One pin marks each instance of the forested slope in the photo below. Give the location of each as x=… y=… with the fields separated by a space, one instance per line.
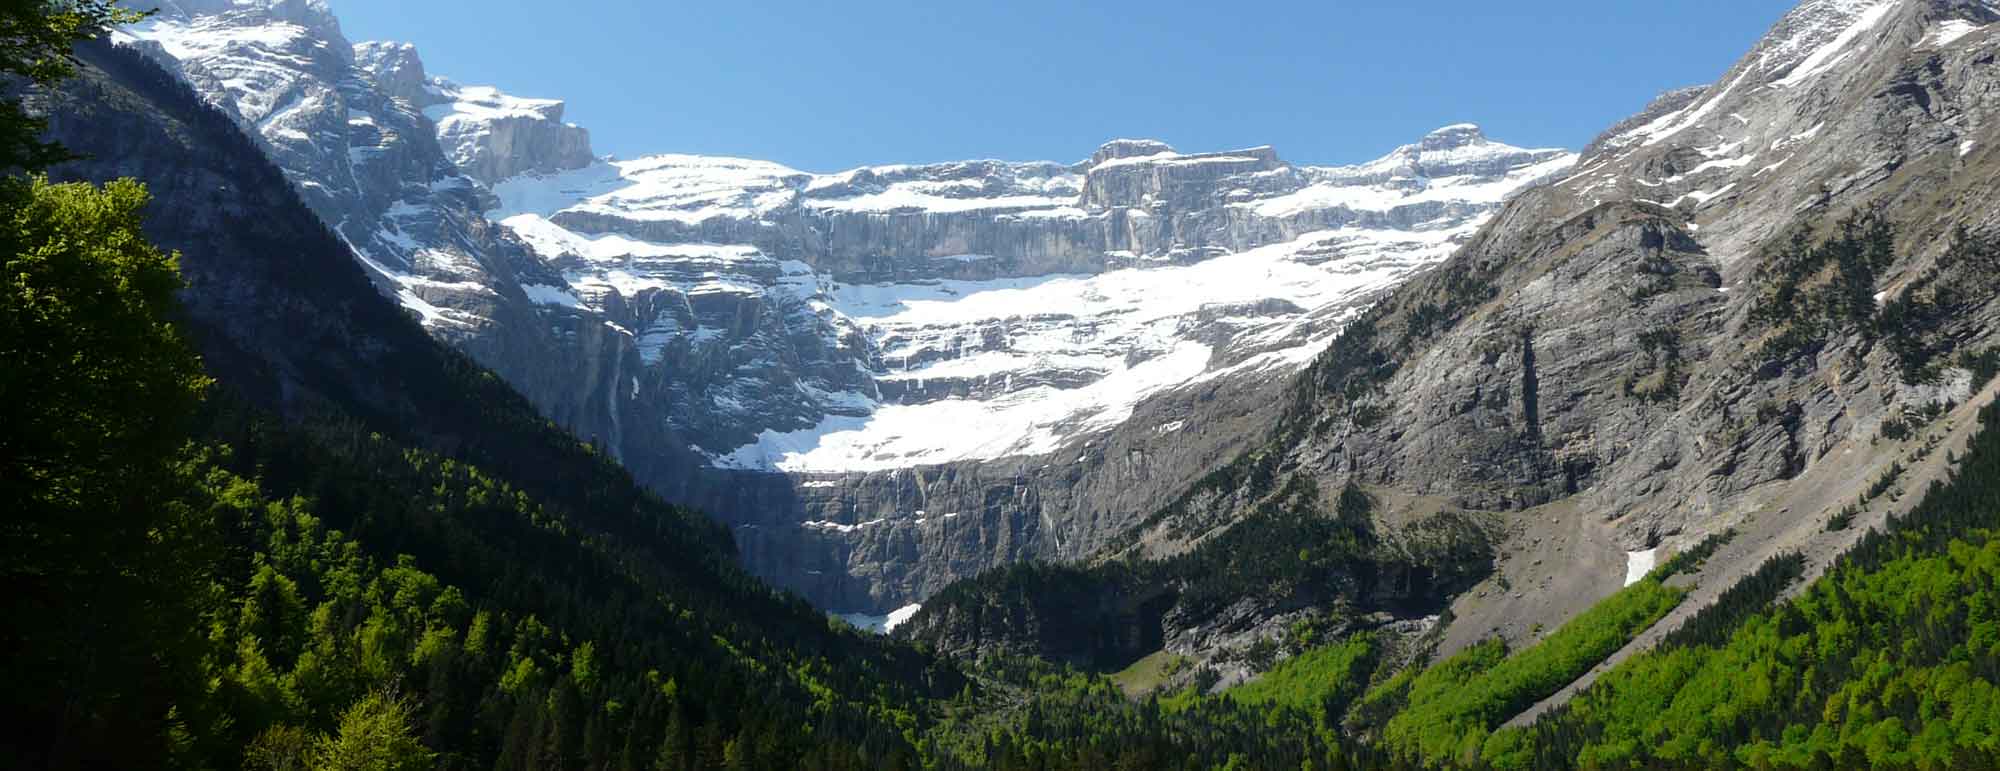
x=374 y=534
x=260 y=519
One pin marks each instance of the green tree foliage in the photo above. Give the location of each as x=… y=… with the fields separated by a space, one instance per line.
x=99 y=380
x=1452 y=707
x=517 y=638
x=195 y=584
x=1295 y=549
x=211 y=585
x=101 y=560
x=374 y=735
x=1691 y=559
x=1889 y=660
x=1719 y=619
x=1328 y=678
x=1034 y=715
x=282 y=748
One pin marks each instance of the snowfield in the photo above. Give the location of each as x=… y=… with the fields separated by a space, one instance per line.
x=1095 y=323
x=984 y=369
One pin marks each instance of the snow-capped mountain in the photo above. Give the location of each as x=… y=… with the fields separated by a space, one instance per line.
x=1767 y=124
x=907 y=315
x=981 y=322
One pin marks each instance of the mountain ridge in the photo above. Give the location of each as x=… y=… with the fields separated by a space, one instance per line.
x=1647 y=353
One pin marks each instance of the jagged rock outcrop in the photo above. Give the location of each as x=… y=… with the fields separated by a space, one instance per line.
x=398 y=72
x=487 y=135
x=491 y=136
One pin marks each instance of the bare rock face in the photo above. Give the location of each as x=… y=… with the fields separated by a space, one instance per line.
x=1129 y=148
x=1609 y=358
x=886 y=539
x=491 y=136
x=398 y=72
x=1167 y=178
x=348 y=126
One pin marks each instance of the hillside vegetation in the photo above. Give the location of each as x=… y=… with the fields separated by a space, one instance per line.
x=257 y=518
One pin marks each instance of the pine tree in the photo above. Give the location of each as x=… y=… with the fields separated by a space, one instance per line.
x=676 y=747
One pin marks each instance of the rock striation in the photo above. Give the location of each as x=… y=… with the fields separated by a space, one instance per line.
x=1613 y=366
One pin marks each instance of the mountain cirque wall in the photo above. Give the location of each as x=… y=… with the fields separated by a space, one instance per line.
x=966 y=407
x=1044 y=350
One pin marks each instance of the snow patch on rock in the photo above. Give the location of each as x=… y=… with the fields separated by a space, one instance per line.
x=882 y=624
x=1945 y=33
x=542 y=294
x=1834 y=51
x=1639 y=563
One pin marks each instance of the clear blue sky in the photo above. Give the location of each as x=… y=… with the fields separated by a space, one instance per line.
x=825 y=86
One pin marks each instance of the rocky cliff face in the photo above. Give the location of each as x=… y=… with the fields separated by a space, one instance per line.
x=357 y=130
x=488 y=135
x=1651 y=350
x=886 y=378
x=963 y=365
x=802 y=306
